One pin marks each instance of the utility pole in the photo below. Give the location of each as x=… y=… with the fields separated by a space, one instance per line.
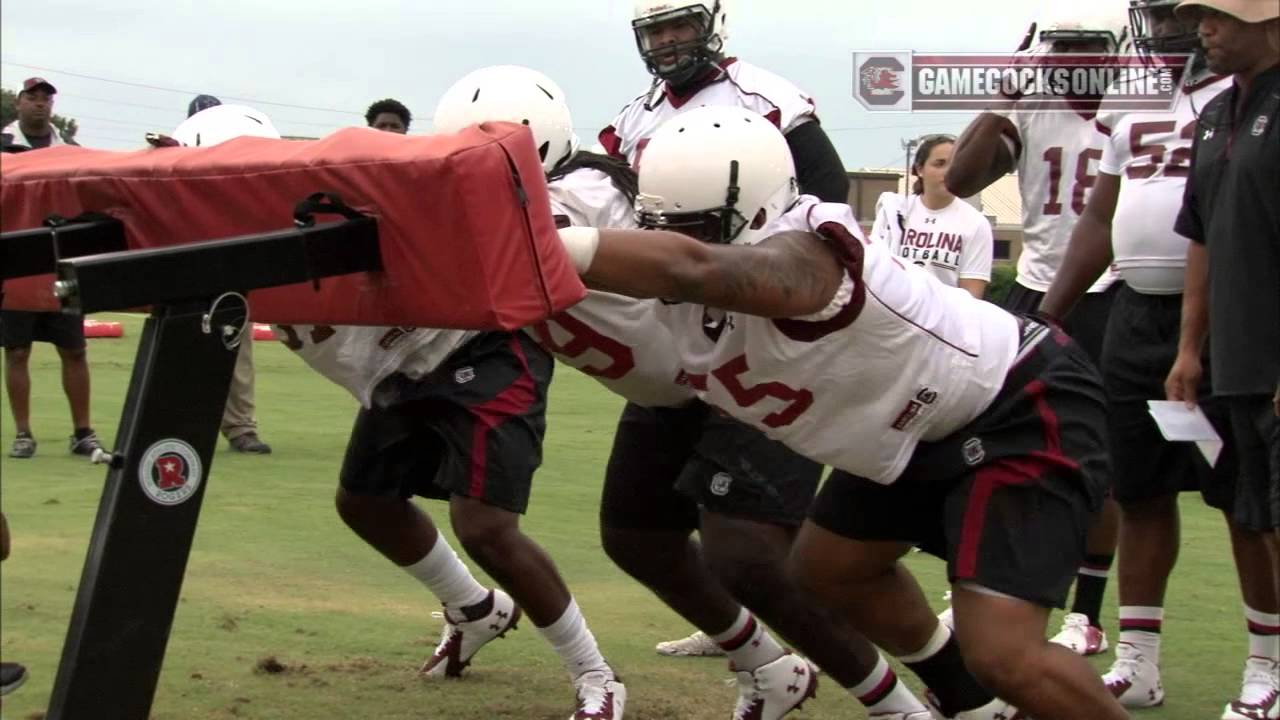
x=909 y=146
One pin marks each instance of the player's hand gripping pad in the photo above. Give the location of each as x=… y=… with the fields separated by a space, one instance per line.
x=465 y=228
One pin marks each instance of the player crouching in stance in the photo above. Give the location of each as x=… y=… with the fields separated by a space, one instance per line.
x=458 y=416
x=951 y=423
x=676 y=464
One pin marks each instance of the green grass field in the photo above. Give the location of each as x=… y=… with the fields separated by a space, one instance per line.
x=274 y=574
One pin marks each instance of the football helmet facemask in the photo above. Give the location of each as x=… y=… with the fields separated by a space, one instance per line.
x=680 y=62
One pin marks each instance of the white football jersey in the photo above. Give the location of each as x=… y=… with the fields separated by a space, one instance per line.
x=896 y=358
x=615 y=339
x=739 y=84
x=360 y=357
x=1151 y=152
x=1057 y=167
x=952 y=243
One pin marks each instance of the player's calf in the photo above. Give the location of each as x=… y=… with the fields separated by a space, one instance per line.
x=1043 y=680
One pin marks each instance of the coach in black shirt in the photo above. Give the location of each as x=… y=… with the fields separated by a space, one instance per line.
x=1231 y=213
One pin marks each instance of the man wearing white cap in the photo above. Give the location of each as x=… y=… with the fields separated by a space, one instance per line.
x=1233 y=286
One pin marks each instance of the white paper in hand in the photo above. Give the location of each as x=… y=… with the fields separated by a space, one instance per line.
x=1178 y=423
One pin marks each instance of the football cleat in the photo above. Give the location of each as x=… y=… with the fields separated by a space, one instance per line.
x=1133 y=679
x=601 y=696
x=460 y=641
x=1078 y=636
x=24 y=446
x=775 y=689
x=1259 y=693
x=997 y=709
x=12 y=675
x=698 y=644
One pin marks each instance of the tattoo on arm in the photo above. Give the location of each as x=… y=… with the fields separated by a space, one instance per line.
x=789 y=275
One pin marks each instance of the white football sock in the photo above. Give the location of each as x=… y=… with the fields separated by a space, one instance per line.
x=748 y=644
x=882 y=693
x=574 y=643
x=447 y=578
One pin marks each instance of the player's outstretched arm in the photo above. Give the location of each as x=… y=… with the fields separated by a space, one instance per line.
x=791 y=274
x=1089 y=253
x=981 y=154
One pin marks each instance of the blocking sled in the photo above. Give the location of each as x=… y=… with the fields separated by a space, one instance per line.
x=465 y=228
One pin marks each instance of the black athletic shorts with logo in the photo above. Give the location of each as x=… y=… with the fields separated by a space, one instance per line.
x=1008 y=499
x=472 y=427
x=1087 y=323
x=668 y=462
x=1140 y=347
x=20 y=328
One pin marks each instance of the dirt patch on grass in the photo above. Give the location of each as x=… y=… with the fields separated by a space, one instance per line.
x=271 y=665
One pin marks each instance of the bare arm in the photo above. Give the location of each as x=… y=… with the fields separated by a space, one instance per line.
x=791 y=274
x=1089 y=253
x=975 y=286
x=1184 y=377
x=980 y=156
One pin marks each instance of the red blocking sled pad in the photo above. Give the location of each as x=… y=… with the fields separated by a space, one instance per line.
x=462 y=246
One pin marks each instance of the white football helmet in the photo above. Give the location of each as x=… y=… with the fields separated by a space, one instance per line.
x=221 y=123
x=680 y=62
x=719 y=174
x=1063 y=35
x=510 y=93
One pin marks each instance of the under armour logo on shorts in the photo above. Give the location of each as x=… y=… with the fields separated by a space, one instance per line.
x=720 y=483
x=464 y=375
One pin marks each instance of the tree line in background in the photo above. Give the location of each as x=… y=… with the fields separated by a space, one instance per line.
x=67 y=127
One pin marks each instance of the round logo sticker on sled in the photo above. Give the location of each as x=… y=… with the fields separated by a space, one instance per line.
x=170 y=472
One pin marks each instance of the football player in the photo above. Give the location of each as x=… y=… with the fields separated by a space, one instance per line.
x=453 y=415
x=682 y=45
x=1129 y=220
x=951 y=423
x=1055 y=154
x=620 y=342
x=683 y=48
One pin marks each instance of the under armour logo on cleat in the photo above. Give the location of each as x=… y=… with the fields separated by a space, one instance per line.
x=503 y=615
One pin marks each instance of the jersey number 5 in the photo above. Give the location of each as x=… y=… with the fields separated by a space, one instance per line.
x=1084 y=178
x=730 y=376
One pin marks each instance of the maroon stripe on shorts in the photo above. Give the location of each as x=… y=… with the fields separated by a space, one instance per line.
x=986 y=480
x=1018 y=470
x=514 y=400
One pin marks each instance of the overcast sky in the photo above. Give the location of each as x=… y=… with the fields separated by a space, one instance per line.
x=124 y=67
